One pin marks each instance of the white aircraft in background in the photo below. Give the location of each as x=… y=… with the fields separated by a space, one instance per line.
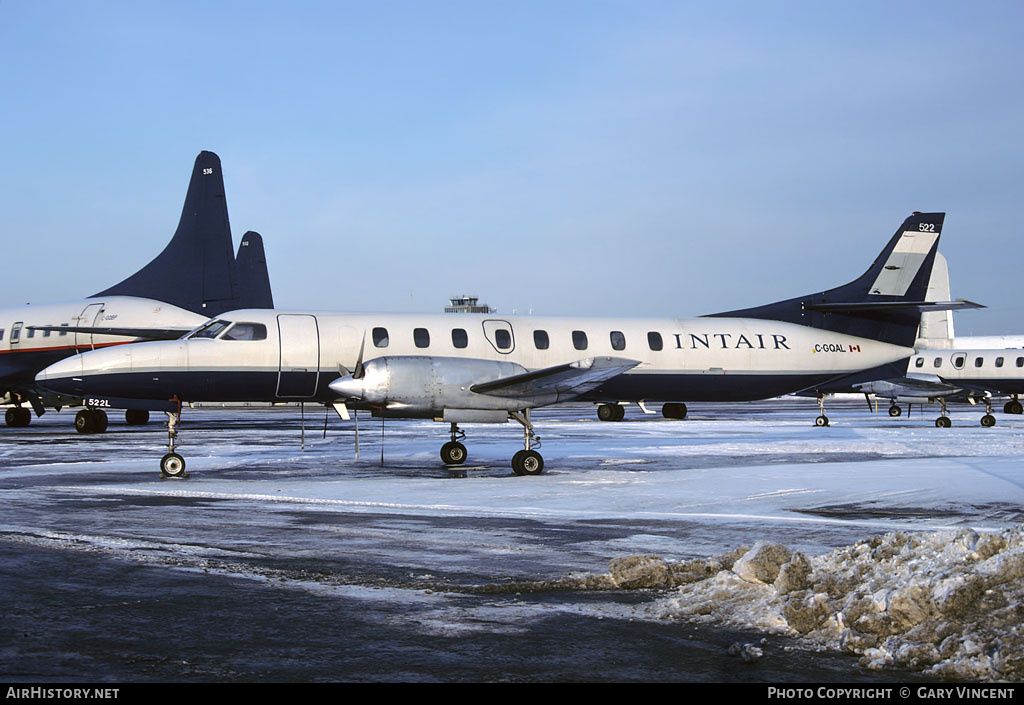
x=947 y=368
x=495 y=369
x=196 y=276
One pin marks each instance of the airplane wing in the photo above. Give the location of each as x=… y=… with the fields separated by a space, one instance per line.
x=568 y=381
x=147 y=333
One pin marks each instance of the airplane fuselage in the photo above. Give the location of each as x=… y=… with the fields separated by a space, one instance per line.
x=298 y=354
x=25 y=351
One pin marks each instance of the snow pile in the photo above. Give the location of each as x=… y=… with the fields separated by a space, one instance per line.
x=949 y=603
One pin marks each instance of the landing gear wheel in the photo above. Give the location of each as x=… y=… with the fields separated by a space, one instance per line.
x=674 y=410
x=611 y=412
x=84 y=421
x=894 y=410
x=821 y=421
x=99 y=420
x=172 y=465
x=988 y=420
x=527 y=462
x=453 y=453
x=136 y=417
x=943 y=422
x=18 y=417
x=1013 y=407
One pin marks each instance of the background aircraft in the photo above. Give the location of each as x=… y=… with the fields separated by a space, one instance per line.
x=493 y=369
x=196 y=276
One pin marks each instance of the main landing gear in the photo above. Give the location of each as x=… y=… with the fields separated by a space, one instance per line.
x=91 y=421
x=18 y=416
x=1013 y=407
x=172 y=465
x=453 y=452
x=611 y=412
x=943 y=421
x=527 y=461
x=673 y=410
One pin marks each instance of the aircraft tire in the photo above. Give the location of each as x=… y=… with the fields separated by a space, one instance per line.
x=674 y=410
x=527 y=462
x=453 y=453
x=611 y=412
x=172 y=465
x=18 y=417
x=85 y=422
x=1013 y=407
x=988 y=420
x=943 y=422
x=136 y=417
x=895 y=410
x=821 y=421
x=99 y=421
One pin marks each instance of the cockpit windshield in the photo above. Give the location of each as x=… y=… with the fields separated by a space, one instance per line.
x=210 y=330
x=246 y=331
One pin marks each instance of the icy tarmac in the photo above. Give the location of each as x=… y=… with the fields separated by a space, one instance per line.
x=881 y=549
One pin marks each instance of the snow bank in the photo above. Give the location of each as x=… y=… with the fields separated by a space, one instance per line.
x=948 y=603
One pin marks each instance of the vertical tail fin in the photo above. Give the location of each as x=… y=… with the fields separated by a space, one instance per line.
x=196 y=270
x=885 y=303
x=253 y=277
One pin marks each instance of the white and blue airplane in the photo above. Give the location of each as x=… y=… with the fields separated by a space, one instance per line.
x=950 y=368
x=196 y=276
x=490 y=368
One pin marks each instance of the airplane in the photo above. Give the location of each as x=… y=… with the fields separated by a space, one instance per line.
x=197 y=275
x=493 y=369
x=939 y=372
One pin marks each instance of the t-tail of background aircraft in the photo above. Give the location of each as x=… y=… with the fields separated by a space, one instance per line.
x=196 y=276
x=492 y=369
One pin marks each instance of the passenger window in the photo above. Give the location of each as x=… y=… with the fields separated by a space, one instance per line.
x=460 y=338
x=618 y=340
x=579 y=340
x=654 y=341
x=999 y=362
x=64 y=332
x=919 y=362
x=46 y=333
x=540 y=339
x=380 y=337
x=502 y=339
x=31 y=332
x=1020 y=360
x=938 y=362
x=421 y=337
x=1 y=333
x=246 y=331
x=979 y=361
x=958 y=361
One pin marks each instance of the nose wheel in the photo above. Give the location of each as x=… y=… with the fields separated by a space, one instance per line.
x=172 y=465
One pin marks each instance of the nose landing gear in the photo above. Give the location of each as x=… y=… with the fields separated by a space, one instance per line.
x=172 y=465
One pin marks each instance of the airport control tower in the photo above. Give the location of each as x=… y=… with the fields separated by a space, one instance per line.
x=467 y=304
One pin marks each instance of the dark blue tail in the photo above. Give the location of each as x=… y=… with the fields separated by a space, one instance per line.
x=885 y=303
x=197 y=270
x=253 y=277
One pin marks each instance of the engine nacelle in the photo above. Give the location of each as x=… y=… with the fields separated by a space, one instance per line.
x=426 y=386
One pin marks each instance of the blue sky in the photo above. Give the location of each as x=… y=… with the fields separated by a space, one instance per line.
x=591 y=158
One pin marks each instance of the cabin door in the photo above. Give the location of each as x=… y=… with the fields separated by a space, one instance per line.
x=300 y=355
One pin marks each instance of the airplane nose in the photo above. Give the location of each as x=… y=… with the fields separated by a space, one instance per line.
x=347 y=387
x=61 y=375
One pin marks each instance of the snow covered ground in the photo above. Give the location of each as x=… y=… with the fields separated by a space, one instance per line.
x=888 y=538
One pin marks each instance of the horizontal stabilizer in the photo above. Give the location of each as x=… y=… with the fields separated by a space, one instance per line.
x=146 y=333
x=920 y=306
x=573 y=379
